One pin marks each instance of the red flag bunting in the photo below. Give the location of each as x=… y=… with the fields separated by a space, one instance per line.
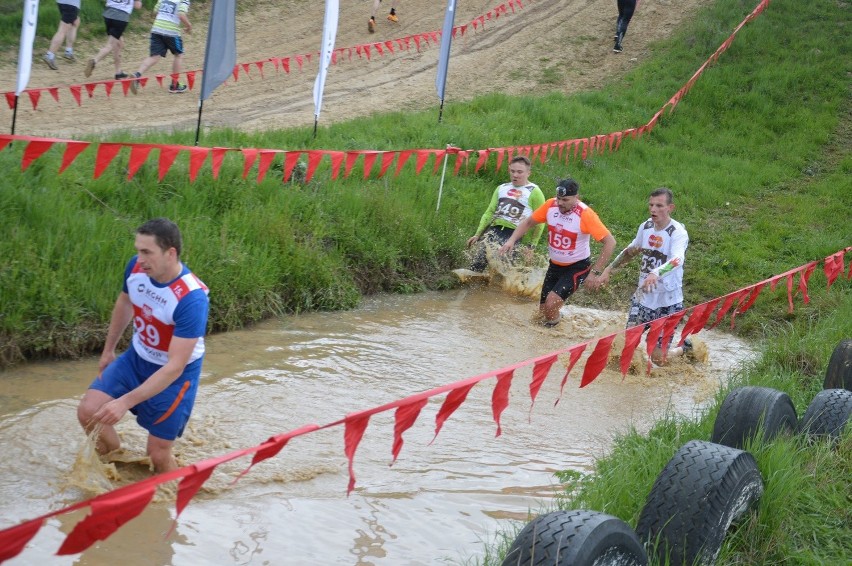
x=274 y=445
x=266 y=159
x=14 y=539
x=597 y=361
x=168 y=154
x=401 y=159
x=314 y=158
x=575 y=354
x=454 y=399
x=354 y=431
x=72 y=150
x=404 y=418
x=369 y=159
x=290 y=160
x=138 y=154
x=197 y=156
x=216 y=161
x=249 y=155
x=387 y=161
x=539 y=374
x=33 y=151
x=500 y=397
x=106 y=153
x=632 y=336
x=803 y=280
x=109 y=512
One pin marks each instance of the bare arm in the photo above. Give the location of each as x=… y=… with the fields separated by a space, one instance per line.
x=596 y=279
x=122 y=314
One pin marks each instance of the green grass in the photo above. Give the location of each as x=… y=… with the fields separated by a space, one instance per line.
x=757 y=154
x=804 y=514
x=760 y=138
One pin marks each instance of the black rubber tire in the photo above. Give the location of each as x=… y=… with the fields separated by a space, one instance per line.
x=746 y=409
x=702 y=490
x=827 y=414
x=838 y=374
x=576 y=538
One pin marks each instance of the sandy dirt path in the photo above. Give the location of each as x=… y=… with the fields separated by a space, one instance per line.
x=547 y=45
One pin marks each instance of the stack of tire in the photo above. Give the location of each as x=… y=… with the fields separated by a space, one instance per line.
x=702 y=490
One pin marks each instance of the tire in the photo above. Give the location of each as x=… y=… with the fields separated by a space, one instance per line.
x=702 y=490
x=827 y=414
x=838 y=374
x=576 y=538
x=746 y=409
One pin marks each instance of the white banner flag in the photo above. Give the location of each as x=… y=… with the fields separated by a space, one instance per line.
x=25 y=52
x=329 y=34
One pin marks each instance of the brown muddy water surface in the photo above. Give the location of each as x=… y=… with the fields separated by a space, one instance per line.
x=436 y=504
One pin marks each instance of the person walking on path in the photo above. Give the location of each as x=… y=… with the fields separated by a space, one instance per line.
x=165 y=37
x=661 y=241
x=570 y=224
x=116 y=17
x=69 y=22
x=156 y=379
x=392 y=17
x=510 y=203
x=625 y=12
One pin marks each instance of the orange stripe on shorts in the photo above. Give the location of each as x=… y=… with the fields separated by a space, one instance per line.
x=174 y=406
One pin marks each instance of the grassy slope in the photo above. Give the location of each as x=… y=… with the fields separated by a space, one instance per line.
x=743 y=149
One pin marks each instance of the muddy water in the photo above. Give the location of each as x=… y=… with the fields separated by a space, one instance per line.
x=434 y=505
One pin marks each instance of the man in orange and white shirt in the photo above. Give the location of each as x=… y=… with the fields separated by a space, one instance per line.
x=570 y=226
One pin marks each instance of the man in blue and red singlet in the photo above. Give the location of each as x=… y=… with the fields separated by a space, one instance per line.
x=156 y=379
x=570 y=223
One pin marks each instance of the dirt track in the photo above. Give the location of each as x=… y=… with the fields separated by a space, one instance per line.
x=547 y=45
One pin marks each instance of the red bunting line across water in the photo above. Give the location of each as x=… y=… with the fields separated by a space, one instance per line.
x=111 y=510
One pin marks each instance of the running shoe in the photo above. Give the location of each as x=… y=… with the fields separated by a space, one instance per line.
x=134 y=84
x=177 y=88
x=617 y=47
x=371 y=25
x=69 y=56
x=51 y=62
x=90 y=66
x=121 y=75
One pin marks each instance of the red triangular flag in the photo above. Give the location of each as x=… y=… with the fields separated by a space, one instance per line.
x=404 y=418
x=597 y=361
x=500 y=397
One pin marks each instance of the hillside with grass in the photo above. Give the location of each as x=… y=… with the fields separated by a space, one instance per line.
x=757 y=154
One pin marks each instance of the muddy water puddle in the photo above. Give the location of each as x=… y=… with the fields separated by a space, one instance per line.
x=435 y=504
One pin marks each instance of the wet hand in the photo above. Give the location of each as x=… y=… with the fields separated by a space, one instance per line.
x=110 y=413
x=593 y=282
x=505 y=248
x=650 y=283
x=472 y=240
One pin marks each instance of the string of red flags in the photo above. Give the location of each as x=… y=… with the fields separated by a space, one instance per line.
x=109 y=511
x=345 y=161
x=284 y=64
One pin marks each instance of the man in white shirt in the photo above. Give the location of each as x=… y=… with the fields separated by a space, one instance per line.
x=662 y=243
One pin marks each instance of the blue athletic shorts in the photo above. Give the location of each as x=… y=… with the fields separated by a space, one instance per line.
x=164 y=415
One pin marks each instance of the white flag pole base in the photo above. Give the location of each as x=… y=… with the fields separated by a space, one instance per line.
x=443 y=174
